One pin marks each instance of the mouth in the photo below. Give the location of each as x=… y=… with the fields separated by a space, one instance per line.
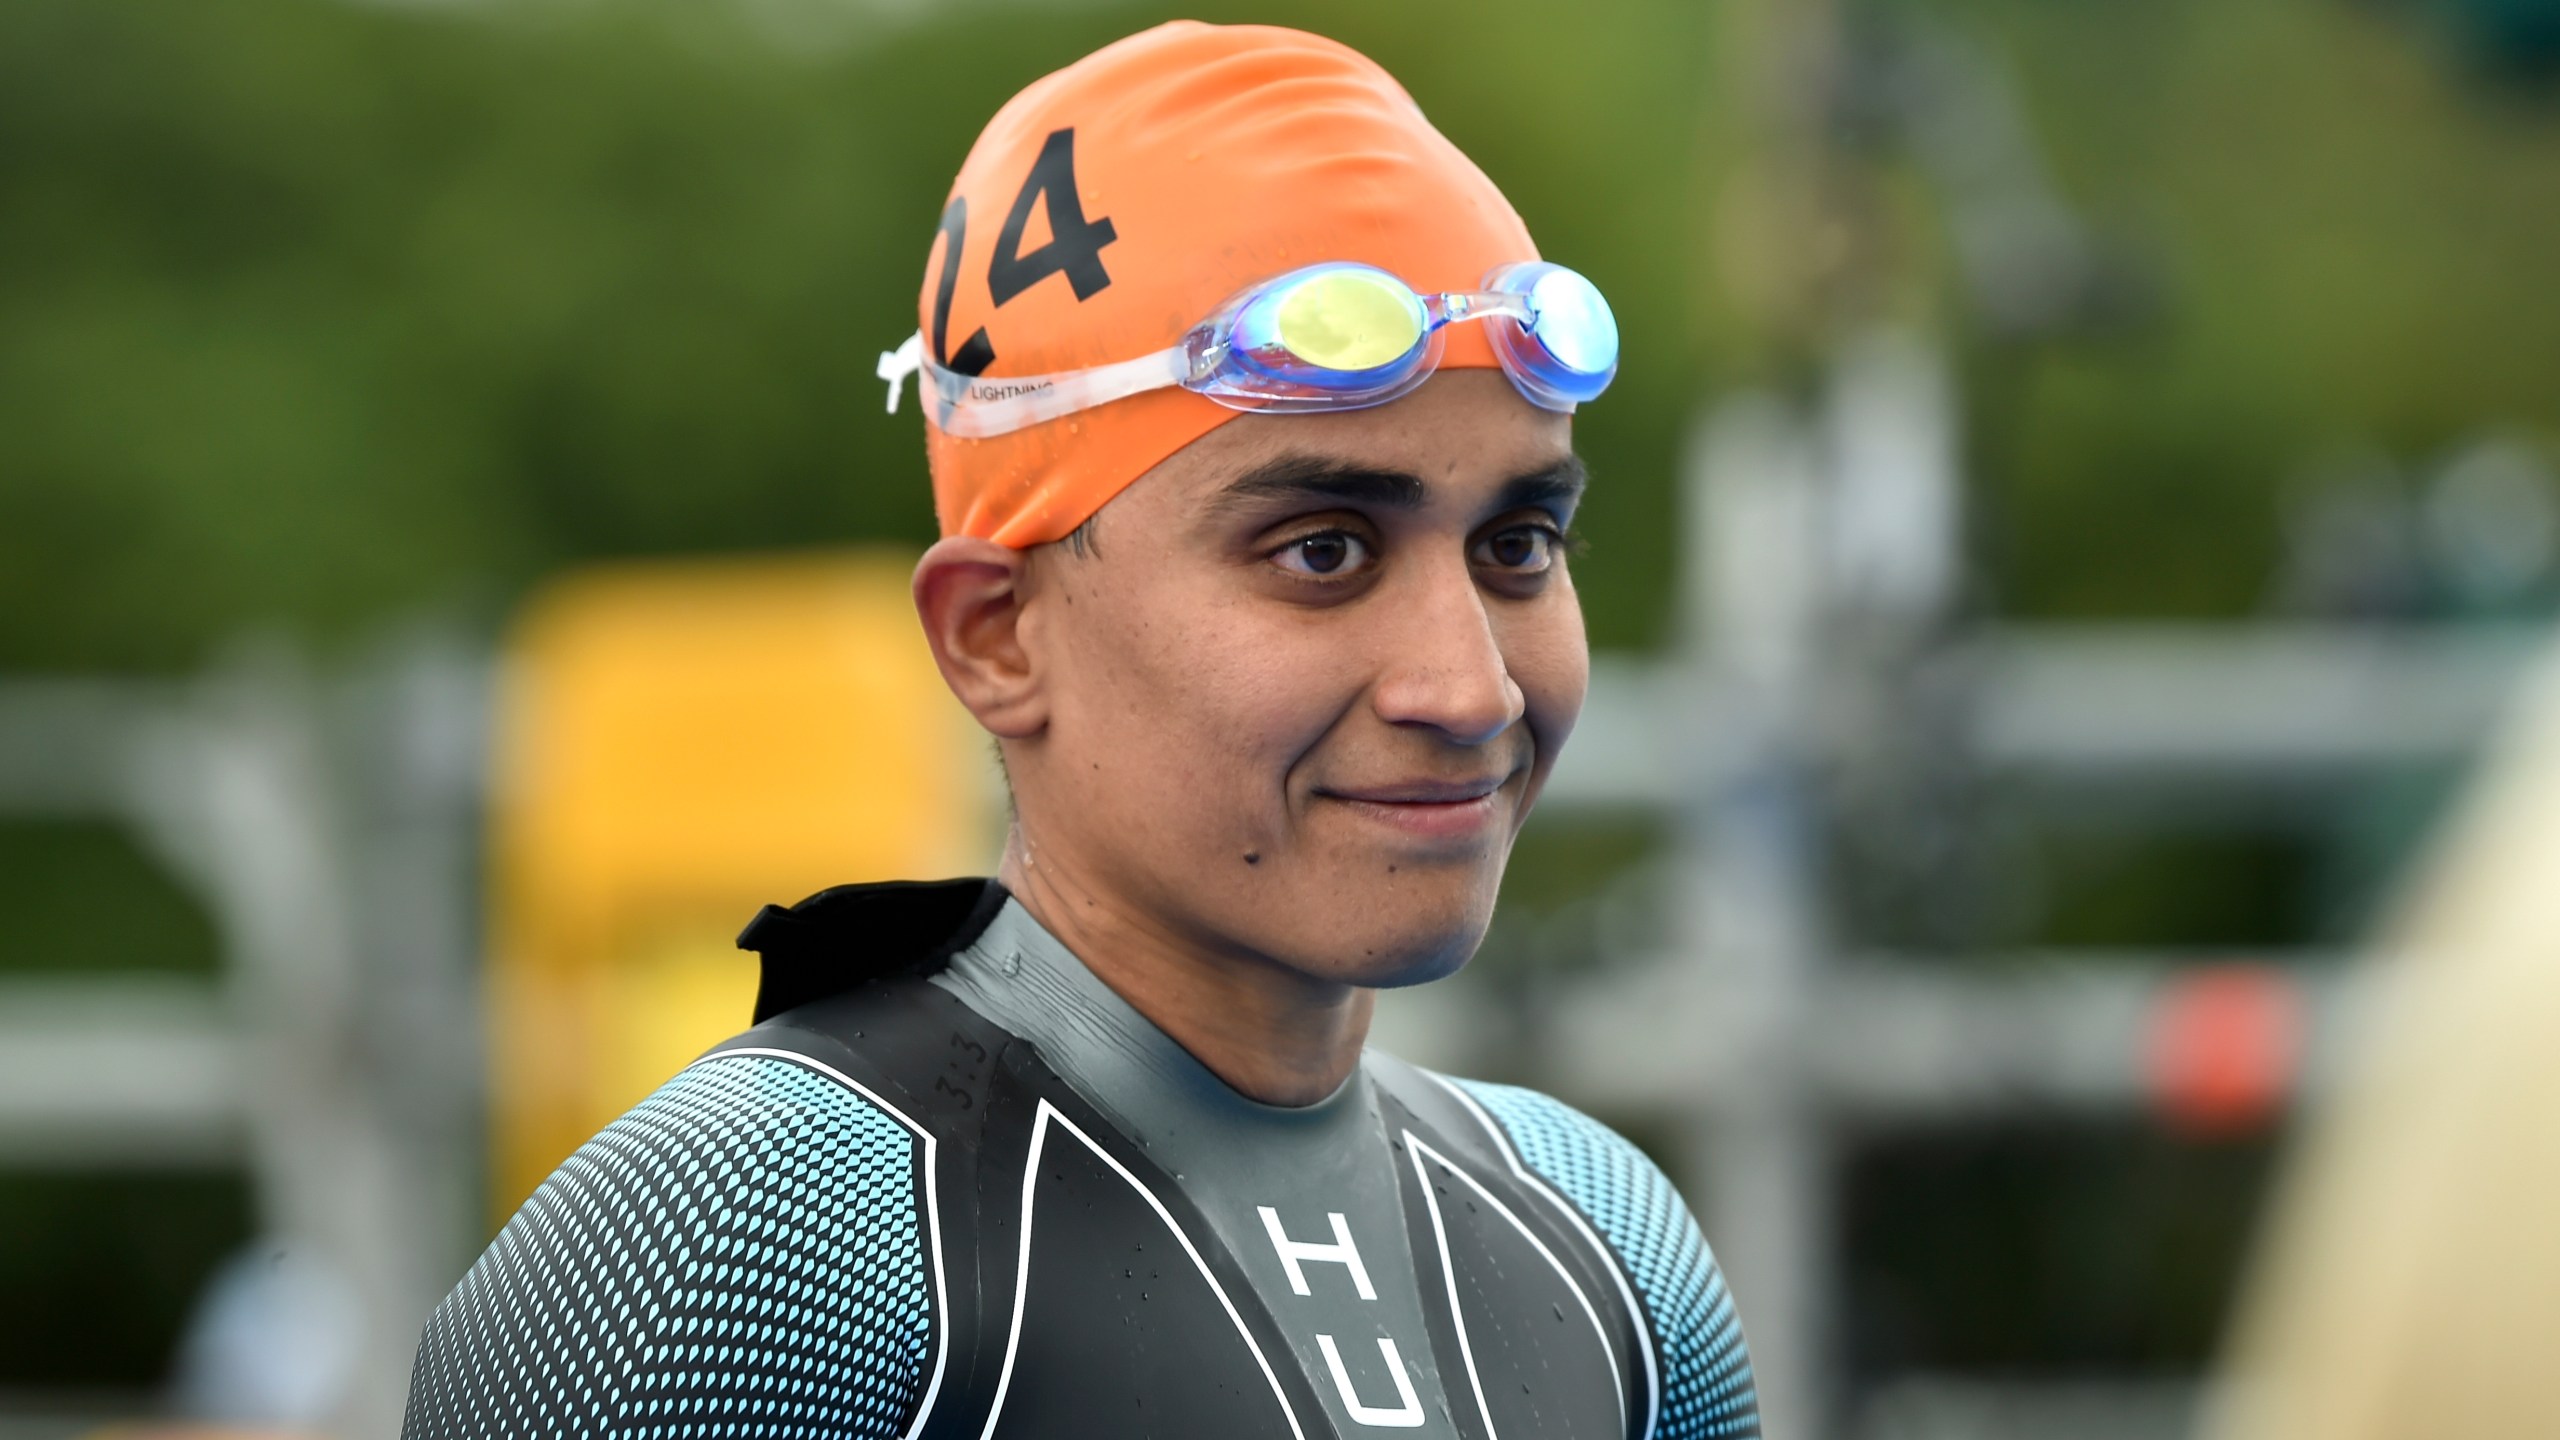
x=1426 y=809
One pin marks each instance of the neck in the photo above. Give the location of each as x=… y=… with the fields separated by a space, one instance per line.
x=1272 y=1034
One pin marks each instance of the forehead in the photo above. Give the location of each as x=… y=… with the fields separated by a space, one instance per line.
x=1465 y=433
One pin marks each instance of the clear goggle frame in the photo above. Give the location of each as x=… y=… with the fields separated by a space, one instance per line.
x=1335 y=336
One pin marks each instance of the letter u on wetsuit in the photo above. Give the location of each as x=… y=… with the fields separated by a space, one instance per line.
x=976 y=1195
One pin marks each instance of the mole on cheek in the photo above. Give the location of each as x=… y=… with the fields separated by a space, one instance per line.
x=1253 y=857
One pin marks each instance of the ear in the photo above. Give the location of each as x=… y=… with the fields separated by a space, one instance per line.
x=969 y=594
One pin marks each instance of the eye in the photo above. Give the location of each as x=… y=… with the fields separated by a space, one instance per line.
x=1325 y=555
x=1526 y=549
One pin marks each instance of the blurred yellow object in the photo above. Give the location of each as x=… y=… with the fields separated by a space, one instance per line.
x=678 y=744
x=2410 y=1281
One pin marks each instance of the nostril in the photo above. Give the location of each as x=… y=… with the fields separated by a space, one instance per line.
x=1469 y=706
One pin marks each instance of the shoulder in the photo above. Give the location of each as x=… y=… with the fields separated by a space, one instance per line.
x=1648 y=1228
x=1616 y=1185
x=748 y=1249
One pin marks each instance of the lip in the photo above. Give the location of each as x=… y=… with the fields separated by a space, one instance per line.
x=1426 y=809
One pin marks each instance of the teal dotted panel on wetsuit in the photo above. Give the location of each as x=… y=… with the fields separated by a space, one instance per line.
x=742 y=1255
x=1706 y=1370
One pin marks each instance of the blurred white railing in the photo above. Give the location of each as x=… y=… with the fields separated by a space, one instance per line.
x=328 y=828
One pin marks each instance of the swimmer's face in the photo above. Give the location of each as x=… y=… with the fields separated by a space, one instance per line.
x=1296 y=699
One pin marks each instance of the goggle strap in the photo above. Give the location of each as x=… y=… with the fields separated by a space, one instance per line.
x=970 y=413
x=896 y=365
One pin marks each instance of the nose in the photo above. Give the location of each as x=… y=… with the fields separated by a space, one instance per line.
x=1445 y=669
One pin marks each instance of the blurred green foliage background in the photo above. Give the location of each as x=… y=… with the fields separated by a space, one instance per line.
x=313 y=312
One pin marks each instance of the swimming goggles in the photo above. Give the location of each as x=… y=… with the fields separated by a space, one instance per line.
x=1336 y=336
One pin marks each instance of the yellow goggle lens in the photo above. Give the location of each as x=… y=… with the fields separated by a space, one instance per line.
x=1349 y=321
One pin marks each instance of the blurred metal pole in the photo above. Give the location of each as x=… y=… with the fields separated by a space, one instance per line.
x=2190 y=719
x=1748 y=904
x=1897 y=1040
x=237 y=794
x=416 y=724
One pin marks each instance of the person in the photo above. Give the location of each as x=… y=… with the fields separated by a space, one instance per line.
x=1247 y=405
x=2406 y=1282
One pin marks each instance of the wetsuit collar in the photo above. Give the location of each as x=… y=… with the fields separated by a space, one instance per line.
x=1026 y=980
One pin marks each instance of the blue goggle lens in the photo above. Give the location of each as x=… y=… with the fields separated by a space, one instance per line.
x=1574 y=323
x=1567 y=351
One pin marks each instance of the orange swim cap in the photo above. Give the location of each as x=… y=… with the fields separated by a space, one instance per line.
x=1111 y=206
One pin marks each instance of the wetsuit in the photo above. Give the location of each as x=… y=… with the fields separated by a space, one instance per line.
x=951 y=1185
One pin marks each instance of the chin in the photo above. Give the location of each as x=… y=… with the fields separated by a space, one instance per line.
x=1424 y=969
x=1376 y=921
x=1408 y=954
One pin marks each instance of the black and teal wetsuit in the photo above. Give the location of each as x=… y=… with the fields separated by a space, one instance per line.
x=951 y=1185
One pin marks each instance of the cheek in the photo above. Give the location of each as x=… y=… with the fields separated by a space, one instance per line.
x=1193 y=692
x=1549 y=658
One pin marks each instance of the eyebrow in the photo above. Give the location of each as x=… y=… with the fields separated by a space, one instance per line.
x=1558 y=487
x=1315 y=477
